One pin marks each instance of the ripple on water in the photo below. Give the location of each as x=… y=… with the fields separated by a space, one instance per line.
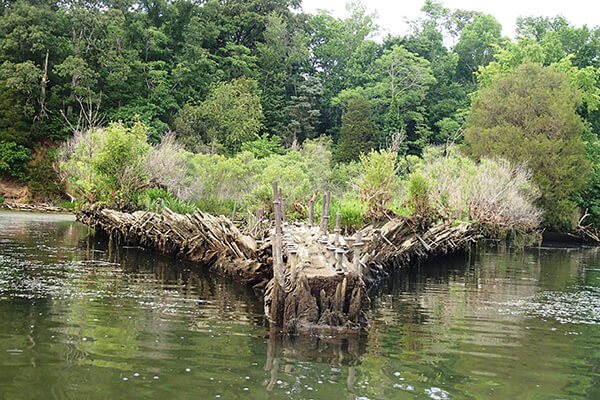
x=581 y=307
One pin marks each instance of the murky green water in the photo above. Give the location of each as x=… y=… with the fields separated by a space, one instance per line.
x=80 y=321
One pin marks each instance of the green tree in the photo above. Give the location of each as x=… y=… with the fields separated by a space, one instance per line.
x=304 y=111
x=232 y=114
x=358 y=134
x=477 y=45
x=13 y=160
x=529 y=116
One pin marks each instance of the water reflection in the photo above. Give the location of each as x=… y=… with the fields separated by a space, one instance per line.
x=84 y=319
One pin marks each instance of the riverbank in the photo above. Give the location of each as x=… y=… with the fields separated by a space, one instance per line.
x=41 y=207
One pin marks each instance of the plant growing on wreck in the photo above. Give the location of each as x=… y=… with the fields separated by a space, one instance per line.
x=495 y=193
x=378 y=182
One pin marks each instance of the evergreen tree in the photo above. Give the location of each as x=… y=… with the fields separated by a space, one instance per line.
x=529 y=116
x=358 y=133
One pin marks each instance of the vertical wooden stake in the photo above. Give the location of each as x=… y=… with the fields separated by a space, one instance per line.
x=358 y=244
x=233 y=213
x=277 y=246
x=338 y=229
x=326 y=217
x=283 y=210
x=311 y=213
x=323 y=208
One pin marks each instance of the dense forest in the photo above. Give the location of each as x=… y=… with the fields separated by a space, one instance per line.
x=244 y=92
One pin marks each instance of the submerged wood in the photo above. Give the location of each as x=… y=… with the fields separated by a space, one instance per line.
x=322 y=277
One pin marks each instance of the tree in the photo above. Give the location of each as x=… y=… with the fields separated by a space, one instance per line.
x=304 y=111
x=232 y=114
x=358 y=133
x=477 y=45
x=529 y=116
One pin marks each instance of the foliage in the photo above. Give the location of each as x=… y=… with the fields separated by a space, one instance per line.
x=13 y=160
x=418 y=198
x=304 y=111
x=120 y=163
x=496 y=194
x=358 y=134
x=44 y=182
x=378 y=182
x=107 y=165
x=149 y=199
x=232 y=114
x=477 y=45
x=222 y=74
x=167 y=164
x=263 y=146
x=528 y=116
x=588 y=199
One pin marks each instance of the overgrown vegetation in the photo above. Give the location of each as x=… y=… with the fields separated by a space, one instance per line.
x=215 y=100
x=496 y=194
x=529 y=117
x=13 y=160
x=117 y=167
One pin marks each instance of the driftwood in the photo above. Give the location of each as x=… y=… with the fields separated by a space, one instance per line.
x=47 y=208
x=399 y=243
x=313 y=281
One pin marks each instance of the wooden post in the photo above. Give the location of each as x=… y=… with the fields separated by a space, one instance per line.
x=338 y=229
x=233 y=213
x=358 y=244
x=277 y=250
x=283 y=210
x=158 y=202
x=331 y=248
x=293 y=254
x=311 y=213
x=326 y=221
x=339 y=253
x=323 y=208
x=275 y=209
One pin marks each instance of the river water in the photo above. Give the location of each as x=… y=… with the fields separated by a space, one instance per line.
x=80 y=319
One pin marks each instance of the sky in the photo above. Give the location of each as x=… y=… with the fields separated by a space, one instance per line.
x=393 y=13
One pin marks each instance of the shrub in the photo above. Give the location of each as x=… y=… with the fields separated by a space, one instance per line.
x=494 y=193
x=120 y=163
x=529 y=116
x=13 y=160
x=378 y=183
x=352 y=212
x=107 y=165
x=263 y=146
x=168 y=165
x=44 y=182
x=418 y=197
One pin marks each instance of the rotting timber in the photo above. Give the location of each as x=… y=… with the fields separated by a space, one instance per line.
x=313 y=281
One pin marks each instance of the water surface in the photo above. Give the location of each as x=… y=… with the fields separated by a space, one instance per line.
x=82 y=319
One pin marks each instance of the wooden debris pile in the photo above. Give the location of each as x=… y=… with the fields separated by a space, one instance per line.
x=315 y=287
x=199 y=237
x=47 y=208
x=314 y=280
x=399 y=243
